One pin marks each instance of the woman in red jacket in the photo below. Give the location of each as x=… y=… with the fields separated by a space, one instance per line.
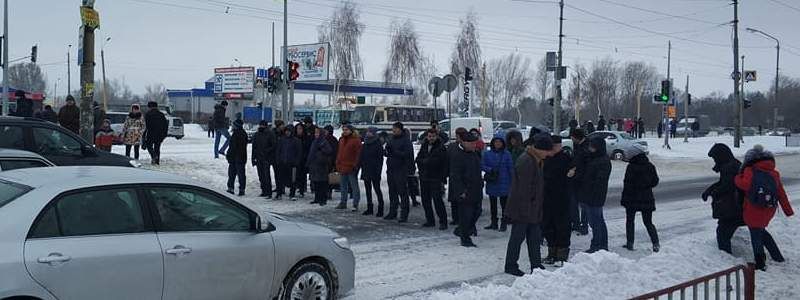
x=758 y=164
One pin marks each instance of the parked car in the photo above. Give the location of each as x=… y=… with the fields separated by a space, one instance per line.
x=779 y=132
x=175 y=127
x=449 y=126
x=618 y=144
x=124 y=233
x=56 y=143
x=11 y=159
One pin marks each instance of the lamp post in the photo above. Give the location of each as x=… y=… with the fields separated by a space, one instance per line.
x=103 y=63
x=777 y=70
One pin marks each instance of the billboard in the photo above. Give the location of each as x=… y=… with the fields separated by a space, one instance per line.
x=234 y=82
x=313 y=59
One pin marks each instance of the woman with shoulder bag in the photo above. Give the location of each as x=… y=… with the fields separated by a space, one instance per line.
x=498 y=169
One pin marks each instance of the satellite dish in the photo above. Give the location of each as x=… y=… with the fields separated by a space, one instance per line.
x=435 y=86
x=450 y=83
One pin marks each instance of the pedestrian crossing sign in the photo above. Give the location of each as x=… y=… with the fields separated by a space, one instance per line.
x=749 y=76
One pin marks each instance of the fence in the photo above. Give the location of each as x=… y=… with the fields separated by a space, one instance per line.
x=701 y=288
x=793 y=140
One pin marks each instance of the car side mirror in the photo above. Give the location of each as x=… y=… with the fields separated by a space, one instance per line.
x=263 y=225
x=87 y=150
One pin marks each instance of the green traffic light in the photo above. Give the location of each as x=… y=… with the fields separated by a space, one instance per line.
x=664 y=98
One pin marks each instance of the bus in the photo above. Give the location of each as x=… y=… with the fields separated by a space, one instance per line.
x=415 y=118
x=332 y=116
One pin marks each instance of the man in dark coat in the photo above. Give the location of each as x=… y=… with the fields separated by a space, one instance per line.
x=433 y=170
x=525 y=205
x=237 y=157
x=556 y=223
x=371 y=165
x=466 y=186
x=99 y=116
x=637 y=196
x=589 y=127
x=263 y=155
x=318 y=164
x=69 y=116
x=220 y=119
x=593 y=191
x=726 y=198
x=155 y=131
x=578 y=216
x=601 y=124
x=399 y=150
x=24 y=105
x=573 y=124
x=48 y=114
x=660 y=129
x=640 y=127
x=451 y=149
x=287 y=156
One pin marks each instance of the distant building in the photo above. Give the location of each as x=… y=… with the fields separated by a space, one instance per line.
x=193 y=105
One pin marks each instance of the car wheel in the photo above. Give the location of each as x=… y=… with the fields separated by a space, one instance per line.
x=310 y=280
x=618 y=155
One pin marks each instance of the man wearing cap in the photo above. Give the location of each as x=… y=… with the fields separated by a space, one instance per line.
x=525 y=204
x=263 y=155
x=466 y=186
x=69 y=116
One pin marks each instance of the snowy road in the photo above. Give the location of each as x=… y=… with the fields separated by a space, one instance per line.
x=404 y=260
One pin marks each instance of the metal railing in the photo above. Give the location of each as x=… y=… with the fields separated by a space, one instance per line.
x=708 y=287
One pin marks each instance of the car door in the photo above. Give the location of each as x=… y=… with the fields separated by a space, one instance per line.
x=210 y=245
x=59 y=147
x=95 y=244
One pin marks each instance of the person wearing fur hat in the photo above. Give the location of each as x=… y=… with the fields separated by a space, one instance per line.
x=466 y=186
x=347 y=166
x=764 y=191
x=637 y=196
x=237 y=157
x=726 y=199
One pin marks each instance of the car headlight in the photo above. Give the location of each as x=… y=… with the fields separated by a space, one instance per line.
x=135 y=163
x=342 y=242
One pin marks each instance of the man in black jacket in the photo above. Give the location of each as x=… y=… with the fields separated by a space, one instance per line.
x=578 y=214
x=48 y=114
x=555 y=224
x=399 y=150
x=466 y=186
x=432 y=165
x=155 y=131
x=263 y=156
x=726 y=199
x=451 y=149
x=237 y=157
x=221 y=127
x=593 y=191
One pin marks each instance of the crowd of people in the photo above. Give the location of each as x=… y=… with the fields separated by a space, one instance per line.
x=634 y=127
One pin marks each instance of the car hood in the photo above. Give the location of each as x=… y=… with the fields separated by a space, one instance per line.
x=287 y=221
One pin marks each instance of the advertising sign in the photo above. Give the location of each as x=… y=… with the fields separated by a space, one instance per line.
x=234 y=82
x=90 y=17
x=313 y=60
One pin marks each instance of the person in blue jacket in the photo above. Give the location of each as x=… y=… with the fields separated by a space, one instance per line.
x=498 y=168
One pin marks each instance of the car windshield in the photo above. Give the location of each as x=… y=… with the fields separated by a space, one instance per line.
x=10 y=191
x=627 y=136
x=116 y=118
x=363 y=114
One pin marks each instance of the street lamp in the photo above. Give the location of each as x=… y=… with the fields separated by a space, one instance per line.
x=69 y=70
x=237 y=61
x=777 y=69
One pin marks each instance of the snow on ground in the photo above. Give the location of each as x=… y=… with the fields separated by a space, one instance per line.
x=698 y=147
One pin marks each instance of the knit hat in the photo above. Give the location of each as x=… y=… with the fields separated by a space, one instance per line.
x=372 y=129
x=542 y=141
x=469 y=137
x=757 y=154
x=556 y=139
x=263 y=123
x=238 y=123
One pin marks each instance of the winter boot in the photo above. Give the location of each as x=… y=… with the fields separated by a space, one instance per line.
x=341 y=206
x=503 y=226
x=761 y=262
x=467 y=242
x=551 y=256
x=562 y=256
x=629 y=246
x=390 y=215
x=492 y=226
x=368 y=212
x=380 y=211
x=656 y=248
x=516 y=272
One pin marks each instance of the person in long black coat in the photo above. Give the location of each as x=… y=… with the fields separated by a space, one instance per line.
x=156 y=127
x=637 y=196
x=556 y=221
x=466 y=186
x=263 y=155
x=579 y=217
x=287 y=156
x=371 y=165
x=433 y=170
x=237 y=157
x=69 y=116
x=318 y=163
x=726 y=198
x=593 y=191
x=399 y=153
x=601 y=124
x=301 y=177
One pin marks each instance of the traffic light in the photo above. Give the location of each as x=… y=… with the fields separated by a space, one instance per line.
x=689 y=99
x=665 y=89
x=551 y=101
x=294 y=71
x=34 y=49
x=271 y=72
x=747 y=103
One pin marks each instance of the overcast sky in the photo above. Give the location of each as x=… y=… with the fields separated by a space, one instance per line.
x=179 y=42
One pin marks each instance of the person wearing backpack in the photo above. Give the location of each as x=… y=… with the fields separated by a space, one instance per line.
x=764 y=191
x=726 y=199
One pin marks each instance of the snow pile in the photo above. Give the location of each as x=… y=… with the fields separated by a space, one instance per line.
x=698 y=147
x=607 y=275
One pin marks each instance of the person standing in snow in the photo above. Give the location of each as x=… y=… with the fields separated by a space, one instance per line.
x=347 y=166
x=578 y=211
x=515 y=147
x=498 y=167
x=525 y=205
x=318 y=163
x=761 y=184
x=371 y=165
x=155 y=132
x=237 y=158
x=287 y=156
x=556 y=217
x=104 y=136
x=660 y=129
x=398 y=151
x=466 y=186
x=433 y=170
x=132 y=131
x=640 y=127
x=726 y=199
x=69 y=116
x=220 y=119
x=452 y=148
x=637 y=196
x=300 y=177
x=593 y=191
x=601 y=124
x=262 y=151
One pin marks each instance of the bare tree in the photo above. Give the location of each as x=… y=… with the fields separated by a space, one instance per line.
x=155 y=92
x=27 y=77
x=404 y=53
x=467 y=53
x=577 y=90
x=636 y=79
x=508 y=81
x=602 y=85
x=343 y=32
x=542 y=80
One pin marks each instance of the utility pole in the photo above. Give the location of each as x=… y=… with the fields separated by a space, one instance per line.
x=667 y=129
x=6 y=103
x=743 y=96
x=55 y=94
x=736 y=76
x=69 y=71
x=557 y=104
x=483 y=92
x=87 y=80
x=103 y=64
x=285 y=68
x=686 y=113
x=578 y=101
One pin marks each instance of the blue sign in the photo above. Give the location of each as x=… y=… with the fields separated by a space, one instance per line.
x=253 y=115
x=261 y=73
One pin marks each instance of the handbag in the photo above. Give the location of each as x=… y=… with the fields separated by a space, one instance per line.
x=491 y=176
x=334 y=178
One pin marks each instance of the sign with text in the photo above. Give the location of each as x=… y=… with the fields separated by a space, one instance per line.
x=313 y=59
x=234 y=82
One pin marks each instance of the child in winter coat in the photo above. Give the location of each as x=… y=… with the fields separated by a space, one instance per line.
x=761 y=184
x=104 y=138
x=637 y=196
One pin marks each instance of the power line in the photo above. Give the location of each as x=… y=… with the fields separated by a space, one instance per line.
x=658 y=12
x=785 y=5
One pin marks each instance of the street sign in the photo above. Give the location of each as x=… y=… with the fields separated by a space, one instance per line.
x=90 y=17
x=561 y=72
x=551 y=61
x=234 y=83
x=450 y=83
x=435 y=86
x=672 y=112
x=750 y=76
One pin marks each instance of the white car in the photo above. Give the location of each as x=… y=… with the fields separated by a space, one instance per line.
x=126 y=233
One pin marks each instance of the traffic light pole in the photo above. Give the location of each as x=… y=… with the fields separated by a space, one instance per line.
x=5 y=58
x=285 y=68
x=667 y=128
x=686 y=113
x=736 y=76
x=557 y=104
x=742 y=96
x=87 y=84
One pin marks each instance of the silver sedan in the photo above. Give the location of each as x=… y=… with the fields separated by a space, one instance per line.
x=125 y=233
x=618 y=144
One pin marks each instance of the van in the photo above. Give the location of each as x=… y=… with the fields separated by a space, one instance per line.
x=484 y=125
x=175 y=127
